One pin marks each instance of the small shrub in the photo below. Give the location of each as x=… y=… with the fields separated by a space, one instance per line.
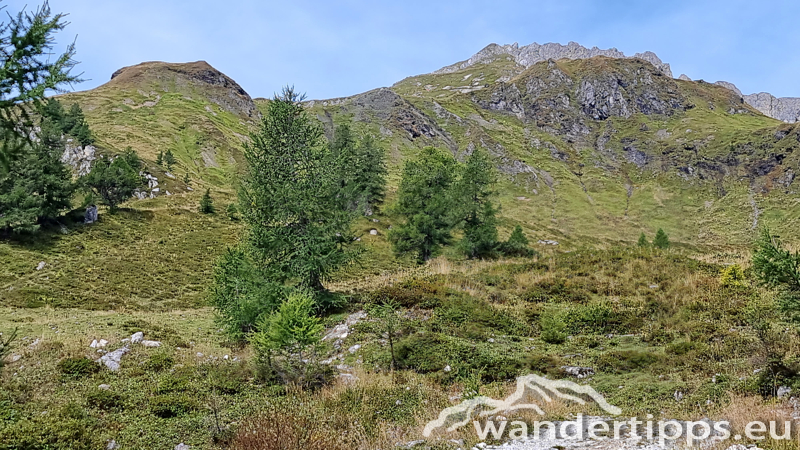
x=553 y=328
x=289 y=430
x=77 y=367
x=547 y=364
x=105 y=400
x=6 y=342
x=171 y=405
x=661 y=240
x=159 y=361
x=425 y=293
x=624 y=361
x=733 y=276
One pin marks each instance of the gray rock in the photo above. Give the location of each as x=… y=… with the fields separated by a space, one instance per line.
x=104 y=387
x=137 y=337
x=112 y=359
x=729 y=86
x=784 y=391
x=373 y=232
x=354 y=348
x=578 y=372
x=684 y=77
x=547 y=242
x=786 y=109
x=182 y=446
x=112 y=445
x=151 y=344
x=338 y=332
x=90 y=216
x=529 y=55
x=41 y=265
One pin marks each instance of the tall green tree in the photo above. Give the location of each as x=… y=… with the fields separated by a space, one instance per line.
x=643 y=241
x=661 y=240
x=517 y=244
x=290 y=197
x=38 y=185
x=207 y=203
x=114 y=179
x=473 y=193
x=29 y=69
x=363 y=178
x=425 y=201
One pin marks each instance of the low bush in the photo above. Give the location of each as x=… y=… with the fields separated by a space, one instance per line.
x=77 y=367
x=553 y=328
x=171 y=405
x=105 y=399
x=624 y=361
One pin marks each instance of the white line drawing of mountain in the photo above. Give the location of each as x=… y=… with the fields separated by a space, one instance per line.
x=546 y=388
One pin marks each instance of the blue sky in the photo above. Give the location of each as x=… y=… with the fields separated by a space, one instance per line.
x=332 y=49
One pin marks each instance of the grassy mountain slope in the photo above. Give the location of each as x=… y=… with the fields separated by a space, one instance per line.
x=598 y=149
x=192 y=109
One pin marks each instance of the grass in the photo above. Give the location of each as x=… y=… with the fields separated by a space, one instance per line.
x=650 y=323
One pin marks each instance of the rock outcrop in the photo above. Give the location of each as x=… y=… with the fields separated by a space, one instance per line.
x=529 y=55
x=786 y=109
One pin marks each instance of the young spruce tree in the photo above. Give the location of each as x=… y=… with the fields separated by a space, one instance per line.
x=298 y=227
x=426 y=202
x=473 y=193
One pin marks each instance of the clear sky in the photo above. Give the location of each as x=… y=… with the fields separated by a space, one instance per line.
x=339 y=48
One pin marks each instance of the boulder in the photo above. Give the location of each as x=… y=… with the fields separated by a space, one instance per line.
x=137 y=337
x=90 y=216
x=578 y=372
x=112 y=359
x=151 y=344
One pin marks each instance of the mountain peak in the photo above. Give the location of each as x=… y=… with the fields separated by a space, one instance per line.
x=529 y=55
x=220 y=88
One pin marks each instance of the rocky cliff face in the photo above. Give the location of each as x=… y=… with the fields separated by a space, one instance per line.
x=786 y=109
x=529 y=55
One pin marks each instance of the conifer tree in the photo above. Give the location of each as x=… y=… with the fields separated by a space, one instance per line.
x=290 y=197
x=473 y=193
x=38 y=185
x=114 y=179
x=29 y=69
x=160 y=158
x=643 y=241
x=425 y=201
x=206 y=203
x=169 y=159
x=517 y=244
x=661 y=240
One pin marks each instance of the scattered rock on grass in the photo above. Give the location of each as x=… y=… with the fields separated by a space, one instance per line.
x=151 y=344
x=112 y=359
x=137 y=337
x=578 y=372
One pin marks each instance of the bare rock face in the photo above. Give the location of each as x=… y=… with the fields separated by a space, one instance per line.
x=786 y=109
x=729 y=86
x=79 y=157
x=529 y=55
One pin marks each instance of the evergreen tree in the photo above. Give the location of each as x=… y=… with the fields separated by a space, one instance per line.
x=370 y=174
x=473 y=192
x=242 y=293
x=291 y=198
x=28 y=70
x=74 y=124
x=363 y=170
x=643 y=241
x=777 y=267
x=517 y=244
x=206 y=203
x=661 y=240
x=425 y=201
x=38 y=186
x=160 y=158
x=115 y=179
x=169 y=159
x=186 y=179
